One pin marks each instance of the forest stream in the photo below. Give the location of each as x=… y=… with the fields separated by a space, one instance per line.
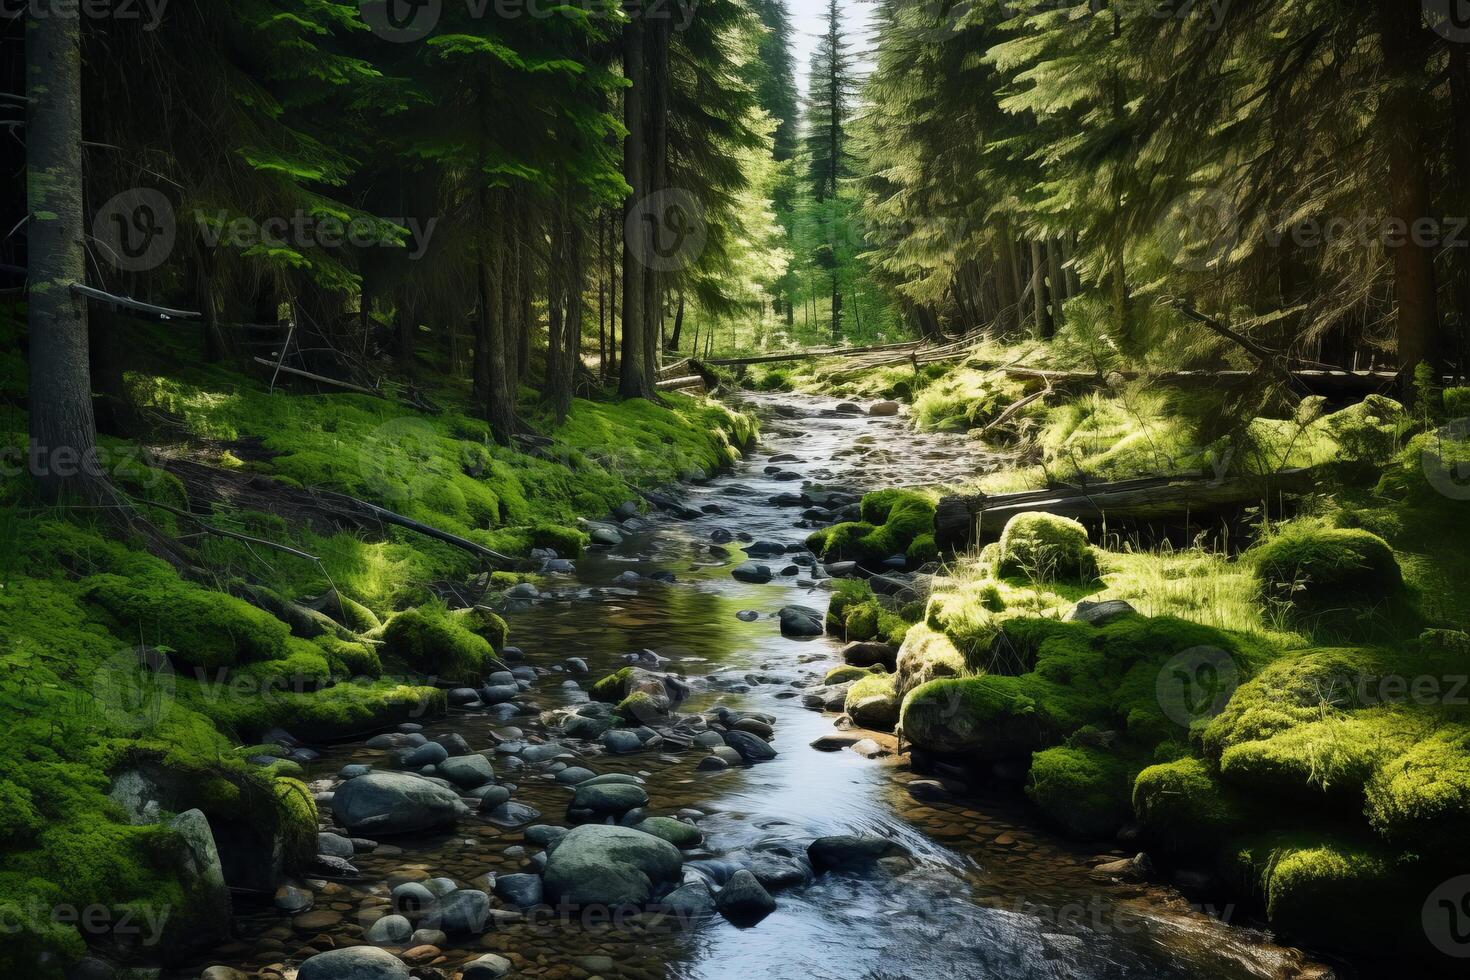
x=983 y=892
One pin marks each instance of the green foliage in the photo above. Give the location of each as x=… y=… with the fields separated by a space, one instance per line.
x=856 y=613
x=1183 y=806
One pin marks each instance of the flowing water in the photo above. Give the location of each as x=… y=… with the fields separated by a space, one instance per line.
x=988 y=895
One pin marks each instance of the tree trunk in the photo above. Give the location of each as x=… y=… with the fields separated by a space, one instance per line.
x=62 y=429
x=501 y=406
x=678 y=323
x=1405 y=51
x=657 y=77
x=1038 y=292
x=836 y=310
x=601 y=294
x=572 y=323
x=634 y=380
x=406 y=328
x=1058 y=283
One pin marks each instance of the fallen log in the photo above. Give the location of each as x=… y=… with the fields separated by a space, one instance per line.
x=679 y=384
x=1318 y=381
x=964 y=520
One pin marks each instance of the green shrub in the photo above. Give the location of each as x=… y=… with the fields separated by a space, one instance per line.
x=431 y=641
x=1045 y=547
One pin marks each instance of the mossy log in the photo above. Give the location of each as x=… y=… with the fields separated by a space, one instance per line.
x=963 y=520
x=1316 y=381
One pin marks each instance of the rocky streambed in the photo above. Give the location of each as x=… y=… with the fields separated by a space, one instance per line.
x=652 y=787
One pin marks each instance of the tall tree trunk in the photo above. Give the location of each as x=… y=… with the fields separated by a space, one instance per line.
x=657 y=78
x=601 y=294
x=1058 y=282
x=1405 y=52
x=572 y=323
x=489 y=318
x=62 y=427
x=1038 y=292
x=836 y=309
x=678 y=323
x=501 y=404
x=634 y=381
x=214 y=337
x=406 y=328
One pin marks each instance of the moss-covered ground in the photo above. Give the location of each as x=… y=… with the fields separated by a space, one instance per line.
x=112 y=658
x=1289 y=711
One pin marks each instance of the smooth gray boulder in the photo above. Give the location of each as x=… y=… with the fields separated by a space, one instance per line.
x=800 y=622
x=390 y=930
x=603 y=865
x=387 y=803
x=676 y=832
x=845 y=852
x=468 y=771
x=1100 y=613
x=691 y=901
x=597 y=800
x=354 y=963
x=465 y=910
x=753 y=572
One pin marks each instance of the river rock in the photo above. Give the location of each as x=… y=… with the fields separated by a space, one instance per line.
x=676 y=832
x=493 y=694
x=413 y=899
x=468 y=771
x=544 y=753
x=752 y=572
x=800 y=621
x=428 y=754
x=491 y=966
x=621 y=742
x=691 y=901
x=594 y=801
x=203 y=878
x=334 y=845
x=386 y=803
x=1100 y=613
x=847 y=853
x=512 y=814
x=751 y=748
x=390 y=930
x=834 y=742
x=523 y=590
x=876 y=711
x=520 y=890
x=600 y=864
x=581 y=726
x=465 y=910
x=491 y=797
x=743 y=901
x=870 y=653
x=354 y=963
x=883 y=409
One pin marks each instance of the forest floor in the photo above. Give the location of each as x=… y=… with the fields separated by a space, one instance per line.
x=1274 y=705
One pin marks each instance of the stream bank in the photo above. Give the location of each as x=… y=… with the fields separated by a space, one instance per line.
x=972 y=888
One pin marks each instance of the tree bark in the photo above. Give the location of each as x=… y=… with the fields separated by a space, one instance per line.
x=657 y=77
x=634 y=381
x=1405 y=52
x=1038 y=292
x=62 y=427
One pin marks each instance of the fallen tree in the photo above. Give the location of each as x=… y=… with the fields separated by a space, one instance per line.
x=962 y=520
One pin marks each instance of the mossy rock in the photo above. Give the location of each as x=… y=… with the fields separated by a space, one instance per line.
x=351 y=613
x=433 y=642
x=484 y=622
x=1420 y=798
x=1045 y=547
x=872 y=702
x=202 y=630
x=567 y=542
x=1307 y=561
x=1327 y=891
x=1184 y=807
x=350 y=659
x=612 y=688
x=926 y=654
x=1083 y=791
x=992 y=718
x=893 y=522
x=845 y=673
x=640 y=708
x=297 y=822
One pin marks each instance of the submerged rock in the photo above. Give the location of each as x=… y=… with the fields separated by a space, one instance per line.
x=386 y=803
x=752 y=749
x=800 y=621
x=846 y=853
x=752 y=572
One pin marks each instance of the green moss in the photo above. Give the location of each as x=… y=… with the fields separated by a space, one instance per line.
x=871 y=684
x=1419 y=797
x=612 y=688
x=892 y=522
x=350 y=659
x=1323 y=890
x=841 y=675
x=1044 y=547
x=856 y=613
x=926 y=654
x=354 y=615
x=1306 y=561
x=431 y=641
x=201 y=629
x=1086 y=792
x=297 y=820
x=638 y=708
x=1185 y=808
x=567 y=542
x=483 y=622
x=334 y=713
